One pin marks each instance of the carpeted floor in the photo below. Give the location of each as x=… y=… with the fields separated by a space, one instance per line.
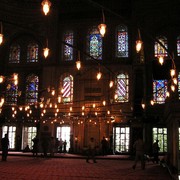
x=29 y=168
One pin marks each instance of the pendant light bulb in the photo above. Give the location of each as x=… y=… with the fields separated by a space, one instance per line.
x=1 y=38
x=46 y=4
x=102 y=29
x=161 y=60
x=46 y=52
x=138 y=45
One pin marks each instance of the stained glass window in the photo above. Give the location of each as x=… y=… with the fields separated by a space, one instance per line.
x=14 y=54
x=122 y=88
x=95 y=44
x=178 y=46
x=67 y=86
x=68 y=50
x=161 y=135
x=32 y=52
x=122 y=41
x=159 y=91
x=32 y=85
x=179 y=85
x=11 y=92
x=159 y=49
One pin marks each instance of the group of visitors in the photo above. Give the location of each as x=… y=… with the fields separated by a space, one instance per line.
x=139 y=147
x=57 y=146
x=51 y=145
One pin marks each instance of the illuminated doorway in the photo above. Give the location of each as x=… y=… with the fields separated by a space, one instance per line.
x=63 y=133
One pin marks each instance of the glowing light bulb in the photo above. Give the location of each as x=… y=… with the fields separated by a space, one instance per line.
x=78 y=65
x=102 y=29
x=46 y=52
x=161 y=60
x=1 y=38
x=138 y=45
x=46 y=6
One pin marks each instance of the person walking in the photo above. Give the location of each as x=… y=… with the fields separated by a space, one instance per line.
x=156 y=149
x=5 y=146
x=139 y=148
x=91 y=150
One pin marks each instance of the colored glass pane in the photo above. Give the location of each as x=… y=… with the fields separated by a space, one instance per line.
x=32 y=84
x=14 y=54
x=122 y=41
x=178 y=46
x=11 y=93
x=68 y=50
x=32 y=53
x=159 y=91
x=160 y=50
x=67 y=89
x=95 y=44
x=179 y=85
x=122 y=90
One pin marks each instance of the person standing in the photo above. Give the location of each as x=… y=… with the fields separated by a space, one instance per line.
x=5 y=146
x=60 y=145
x=64 y=146
x=35 y=141
x=139 y=148
x=156 y=149
x=91 y=150
x=104 y=146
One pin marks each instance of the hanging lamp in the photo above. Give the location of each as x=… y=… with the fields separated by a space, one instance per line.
x=102 y=26
x=46 y=4
x=139 y=42
x=1 y=34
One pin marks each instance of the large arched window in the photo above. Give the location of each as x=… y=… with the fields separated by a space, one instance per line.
x=159 y=50
x=67 y=89
x=14 y=54
x=178 y=46
x=32 y=52
x=122 y=88
x=68 y=49
x=94 y=43
x=32 y=85
x=122 y=48
x=11 y=92
x=159 y=91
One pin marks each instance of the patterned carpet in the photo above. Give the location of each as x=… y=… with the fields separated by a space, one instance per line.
x=29 y=168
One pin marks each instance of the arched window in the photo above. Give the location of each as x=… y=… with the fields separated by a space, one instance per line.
x=11 y=92
x=32 y=52
x=67 y=89
x=94 y=43
x=32 y=85
x=179 y=84
x=122 y=47
x=14 y=54
x=159 y=91
x=122 y=88
x=68 y=50
x=159 y=50
x=178 y=46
